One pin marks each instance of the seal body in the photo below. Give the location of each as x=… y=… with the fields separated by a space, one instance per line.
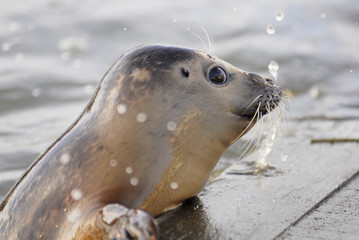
x=156 y=126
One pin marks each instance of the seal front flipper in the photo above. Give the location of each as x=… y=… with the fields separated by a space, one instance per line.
x=116 y=222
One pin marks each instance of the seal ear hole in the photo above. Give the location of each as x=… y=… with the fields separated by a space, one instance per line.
x=185 y=72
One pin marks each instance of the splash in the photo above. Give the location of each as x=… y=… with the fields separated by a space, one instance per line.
x=268 y=142
x=267 y=130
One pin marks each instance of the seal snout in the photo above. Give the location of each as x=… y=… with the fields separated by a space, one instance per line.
x=267 y=103
x=267 y=99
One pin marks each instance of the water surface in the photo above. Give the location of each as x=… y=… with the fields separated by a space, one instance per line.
x=54 y=52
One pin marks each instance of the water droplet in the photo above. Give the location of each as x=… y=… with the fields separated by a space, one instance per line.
x=65 y=158
x=174 y=185
x=65 y=209
x=129 y=170
x=122 y=109
x=171 y=126
x=36 y=92
x=279 y=16
x=351 y=70
x=57 y=226
x=76 y=194
x=284 y=157
x=235 y=9
x=188 y=29
x=125 y=29
x=141 y=117
x=273 y=69
x=41 y=236
x=174 y=20
x=73 y=215
x=270 y=29
x=134 y=181
x=113 y=162
x=323 y=15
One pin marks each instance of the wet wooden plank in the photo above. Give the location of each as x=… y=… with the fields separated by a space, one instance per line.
x=335 y=218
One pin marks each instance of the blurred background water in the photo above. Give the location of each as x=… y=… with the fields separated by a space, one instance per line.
x=54 y=52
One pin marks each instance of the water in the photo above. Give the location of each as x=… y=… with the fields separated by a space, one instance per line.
x=54 y=52
x=273 y=69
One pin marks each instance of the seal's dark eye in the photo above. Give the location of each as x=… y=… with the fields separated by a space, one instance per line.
x=217 y=75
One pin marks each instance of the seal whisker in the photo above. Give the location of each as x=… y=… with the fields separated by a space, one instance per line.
x=249 y=124
x=210 y=41
x=249 y=142
x=200 y=38
x=261 y=129
x=208 y=47
x=254 y=134
x=250 y=105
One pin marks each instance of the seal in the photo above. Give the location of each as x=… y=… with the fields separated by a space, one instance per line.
x=157 y=124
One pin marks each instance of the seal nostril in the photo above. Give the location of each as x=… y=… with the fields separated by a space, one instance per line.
x=185 y=72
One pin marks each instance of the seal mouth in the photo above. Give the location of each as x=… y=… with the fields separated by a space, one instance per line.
x=259 y=107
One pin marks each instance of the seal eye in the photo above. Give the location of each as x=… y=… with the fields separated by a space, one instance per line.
x=217 y=75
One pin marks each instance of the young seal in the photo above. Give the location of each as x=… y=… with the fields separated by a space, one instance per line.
x=156 y=126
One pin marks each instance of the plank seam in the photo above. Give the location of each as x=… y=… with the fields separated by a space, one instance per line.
x=318 y=204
